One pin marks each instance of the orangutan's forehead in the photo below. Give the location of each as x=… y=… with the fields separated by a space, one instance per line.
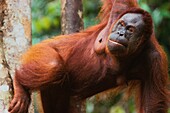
x=132 y=18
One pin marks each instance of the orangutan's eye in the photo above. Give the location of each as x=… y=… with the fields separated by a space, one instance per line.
x=131 y=29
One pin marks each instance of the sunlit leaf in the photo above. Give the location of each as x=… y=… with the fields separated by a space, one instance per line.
x=117 y=109
x=45 y=23
x=38 y=27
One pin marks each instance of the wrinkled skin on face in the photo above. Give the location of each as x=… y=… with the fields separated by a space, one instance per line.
x=126 y=35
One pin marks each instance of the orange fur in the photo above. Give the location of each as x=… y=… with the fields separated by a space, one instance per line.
x=76 y=65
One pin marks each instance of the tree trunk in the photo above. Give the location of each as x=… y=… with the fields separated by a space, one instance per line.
x=15 y=38
x=71 y=16
x=72 y=22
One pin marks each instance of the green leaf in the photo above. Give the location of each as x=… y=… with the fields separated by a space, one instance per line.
x=117 y=109
x=45 y=23
x=38 y=27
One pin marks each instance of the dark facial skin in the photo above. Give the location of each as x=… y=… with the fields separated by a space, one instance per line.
x=126 y=34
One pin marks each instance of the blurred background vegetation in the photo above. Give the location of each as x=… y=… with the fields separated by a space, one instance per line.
x=46 y=23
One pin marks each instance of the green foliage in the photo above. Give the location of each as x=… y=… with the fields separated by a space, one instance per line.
x=117 y=109
x=90 y=11
x=45 y=18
